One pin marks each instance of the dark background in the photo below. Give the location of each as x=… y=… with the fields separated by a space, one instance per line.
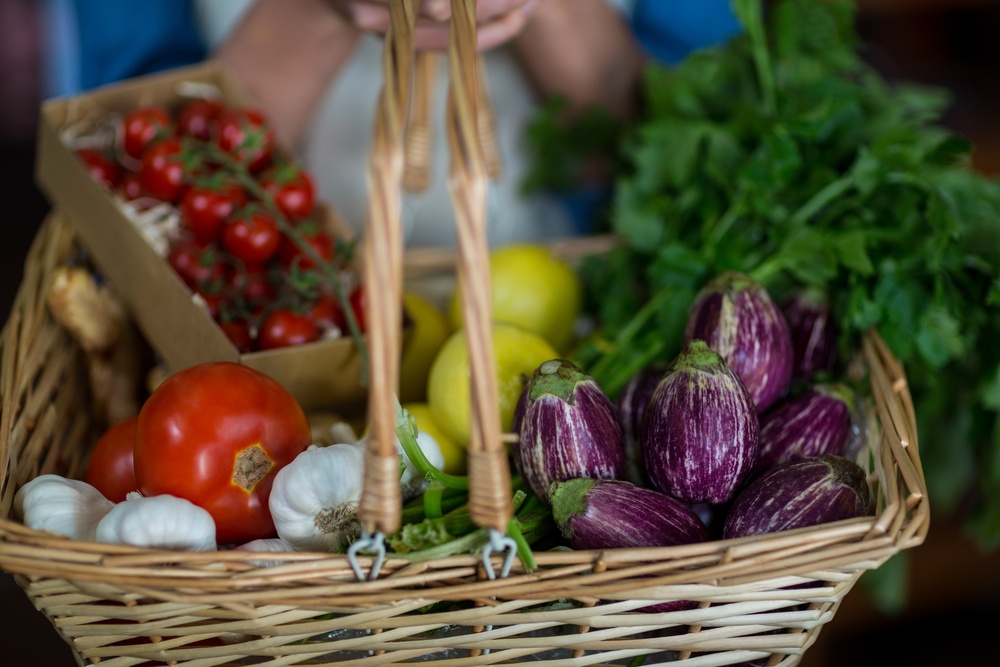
x=953 y=585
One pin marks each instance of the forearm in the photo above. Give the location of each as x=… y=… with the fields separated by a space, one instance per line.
x=584 y=51
x=287 y=54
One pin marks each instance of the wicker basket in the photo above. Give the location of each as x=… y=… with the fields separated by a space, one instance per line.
x=762 y=599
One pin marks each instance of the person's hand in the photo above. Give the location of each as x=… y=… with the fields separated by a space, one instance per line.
x=498 y=20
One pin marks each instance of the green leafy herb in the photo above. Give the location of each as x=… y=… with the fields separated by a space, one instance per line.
x=784 y=155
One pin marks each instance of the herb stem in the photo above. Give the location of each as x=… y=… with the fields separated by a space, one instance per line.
x=815 y=203
x=751 y=15
x=607 y=370
x=726 y=221
x=406 y=431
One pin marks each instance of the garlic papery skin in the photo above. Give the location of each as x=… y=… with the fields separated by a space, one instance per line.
x=60 y=505
x=314 y=499
x=158 y=522
x=267 y=545
x=411 y=482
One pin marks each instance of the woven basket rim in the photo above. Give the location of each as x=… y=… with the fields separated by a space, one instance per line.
x=901 y=522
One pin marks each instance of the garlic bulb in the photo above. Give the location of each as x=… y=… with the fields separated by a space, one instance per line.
x=158 y=522
x=267 y=545
x=314 y=499
x=60 y=505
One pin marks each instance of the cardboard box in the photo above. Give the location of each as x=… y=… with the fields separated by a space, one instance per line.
x=324 y=374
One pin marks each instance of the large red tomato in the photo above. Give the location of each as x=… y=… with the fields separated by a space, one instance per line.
x=110 y=468
x=216 y=434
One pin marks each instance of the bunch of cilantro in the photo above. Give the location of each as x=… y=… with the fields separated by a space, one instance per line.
x=782 y=154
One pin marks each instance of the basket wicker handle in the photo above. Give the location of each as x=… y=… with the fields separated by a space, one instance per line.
x=489 y=476
x=419 y=129
x=419 y=135
x=379 y=509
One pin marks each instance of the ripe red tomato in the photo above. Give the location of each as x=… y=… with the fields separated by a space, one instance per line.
x=162 y=170
x=284 y=328
x=204 y=209
x=292 y=189
x=141 y=127
x=326 y=313
x=102 y=169
x=200 y=119
x=196 y=265
x=216 y=434
x=238 y=333
x=130 y=187
x=321 y=243
x=252 y=283
x=246 y=134
x=110 y=469
x=252 y=236
x=359 y=305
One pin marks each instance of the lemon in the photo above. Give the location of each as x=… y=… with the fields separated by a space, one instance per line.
x=428 y=333
x=454 y=456
x=532 y=289
x=517 y=354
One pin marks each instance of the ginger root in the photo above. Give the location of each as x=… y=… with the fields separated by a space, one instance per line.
x=96 y=320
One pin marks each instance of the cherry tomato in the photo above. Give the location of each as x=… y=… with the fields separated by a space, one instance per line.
x=162 y=170
x=359 y=305
x=321 y=243
x=252 y=283
x=292 y=189
x=196 y=265
x=102 y=169
x=238 y=333
x=252 y=236
x=284 y=328
x=204 y=209
x=130 y=187
x=200 y=119
x=110 y=469
x=326 y=313
x=216 y=434
x=214 y=302
x=246 y=134
x=141 y=127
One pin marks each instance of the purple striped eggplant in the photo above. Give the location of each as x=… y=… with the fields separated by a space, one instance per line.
x=699 y=437
x=816 y=422
x=613 y=514
x=814 y=333
x=567 y=428
x=799 y=493
x=632 y=403
x=736 y=316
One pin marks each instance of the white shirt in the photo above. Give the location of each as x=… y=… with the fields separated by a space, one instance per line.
x=336 y=145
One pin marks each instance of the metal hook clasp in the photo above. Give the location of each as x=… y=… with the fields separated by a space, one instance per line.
x=366 y=542
x=499 y=543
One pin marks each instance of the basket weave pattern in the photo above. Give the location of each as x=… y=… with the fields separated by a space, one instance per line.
x=762 y=598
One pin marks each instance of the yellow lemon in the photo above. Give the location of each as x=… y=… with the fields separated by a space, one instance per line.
x=454 y=456
x=517 y=354
x=429 y=330
x=532 y=289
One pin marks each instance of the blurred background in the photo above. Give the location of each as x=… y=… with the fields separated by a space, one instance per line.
x=953 y=584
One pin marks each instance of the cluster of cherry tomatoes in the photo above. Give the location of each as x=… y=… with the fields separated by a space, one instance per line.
x=253 y=244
